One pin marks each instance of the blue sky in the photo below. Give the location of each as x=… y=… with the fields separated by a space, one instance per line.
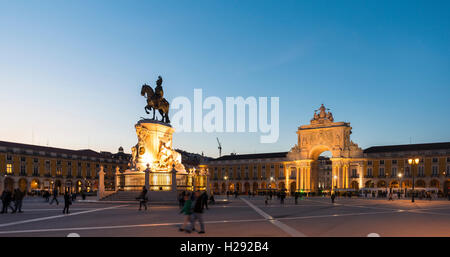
x=71 y=71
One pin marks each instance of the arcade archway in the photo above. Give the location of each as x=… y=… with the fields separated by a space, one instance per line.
x=394 y=184
x=420 y=183
x=370 y=184
x=246 y=187
x=255 y=187
x=355 y=185
x=293 y=187
x=446 y=187
x=35 y=184
x=8 y=184
x=224 y=188
x=263 y=185
x=23 y=185
x=434 y=183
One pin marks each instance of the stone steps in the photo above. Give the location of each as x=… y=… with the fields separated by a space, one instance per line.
x=122 y=196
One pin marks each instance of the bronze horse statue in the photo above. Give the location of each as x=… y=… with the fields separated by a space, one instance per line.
x=155 y=101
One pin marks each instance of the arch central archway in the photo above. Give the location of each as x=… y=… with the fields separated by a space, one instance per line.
x=318 y=150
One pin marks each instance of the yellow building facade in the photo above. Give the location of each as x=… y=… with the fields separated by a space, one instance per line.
x=378 y=168
x=35 y=168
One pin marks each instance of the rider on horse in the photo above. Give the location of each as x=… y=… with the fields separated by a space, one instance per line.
x=159 y=93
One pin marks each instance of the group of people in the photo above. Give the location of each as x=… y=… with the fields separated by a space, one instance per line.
x=9 y=197
x=192 y=208
x=17 y=196
x=235 y=193
x=68 y=199
x=281 y=195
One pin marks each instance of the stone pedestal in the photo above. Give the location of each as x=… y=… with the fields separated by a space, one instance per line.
x=154 y=142
x=101 y=183
x=154 y=164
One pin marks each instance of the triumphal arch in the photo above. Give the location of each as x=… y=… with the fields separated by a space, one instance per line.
x=324 y=134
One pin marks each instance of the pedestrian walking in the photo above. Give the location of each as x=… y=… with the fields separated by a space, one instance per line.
x=197 y=214
x=6 y=201
x=55 y=196
x=47 y=196
x=282 y=196
x=67 y=202
x=143 y=198
x=390 y=197
x=212 y=200
x=204 y=198
x=18 y=198
x=333 y=196
x=187 y=213
x=266 y=201
x=296 y=197
x=181 y=199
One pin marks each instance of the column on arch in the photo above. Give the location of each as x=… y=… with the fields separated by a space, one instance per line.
x=336 y=172
x=308 y=178
x=297 y=179
x=344 y=176
x=302 y=178
x=361 y=174
x=287 y=173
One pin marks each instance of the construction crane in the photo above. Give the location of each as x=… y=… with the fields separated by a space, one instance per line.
x=220 y=147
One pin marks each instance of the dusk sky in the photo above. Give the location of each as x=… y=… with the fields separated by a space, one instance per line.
x=71 y=71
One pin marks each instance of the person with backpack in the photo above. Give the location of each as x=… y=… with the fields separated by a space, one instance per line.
x=67 y=202
x=6 y=201
x=204 y=198
x=197 y=214
x=143 y=199
x=181 y=199
x=55 y=196
x=211 y=199
x=187 y=213
x=18 y=198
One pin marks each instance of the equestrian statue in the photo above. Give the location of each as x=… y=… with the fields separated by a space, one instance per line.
x=156 y=100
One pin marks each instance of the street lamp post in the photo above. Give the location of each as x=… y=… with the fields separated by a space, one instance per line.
x=400 y=181
x=411 y=163
x=226 y=184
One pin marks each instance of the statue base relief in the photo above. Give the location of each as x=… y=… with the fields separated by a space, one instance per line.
x=154 y=164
